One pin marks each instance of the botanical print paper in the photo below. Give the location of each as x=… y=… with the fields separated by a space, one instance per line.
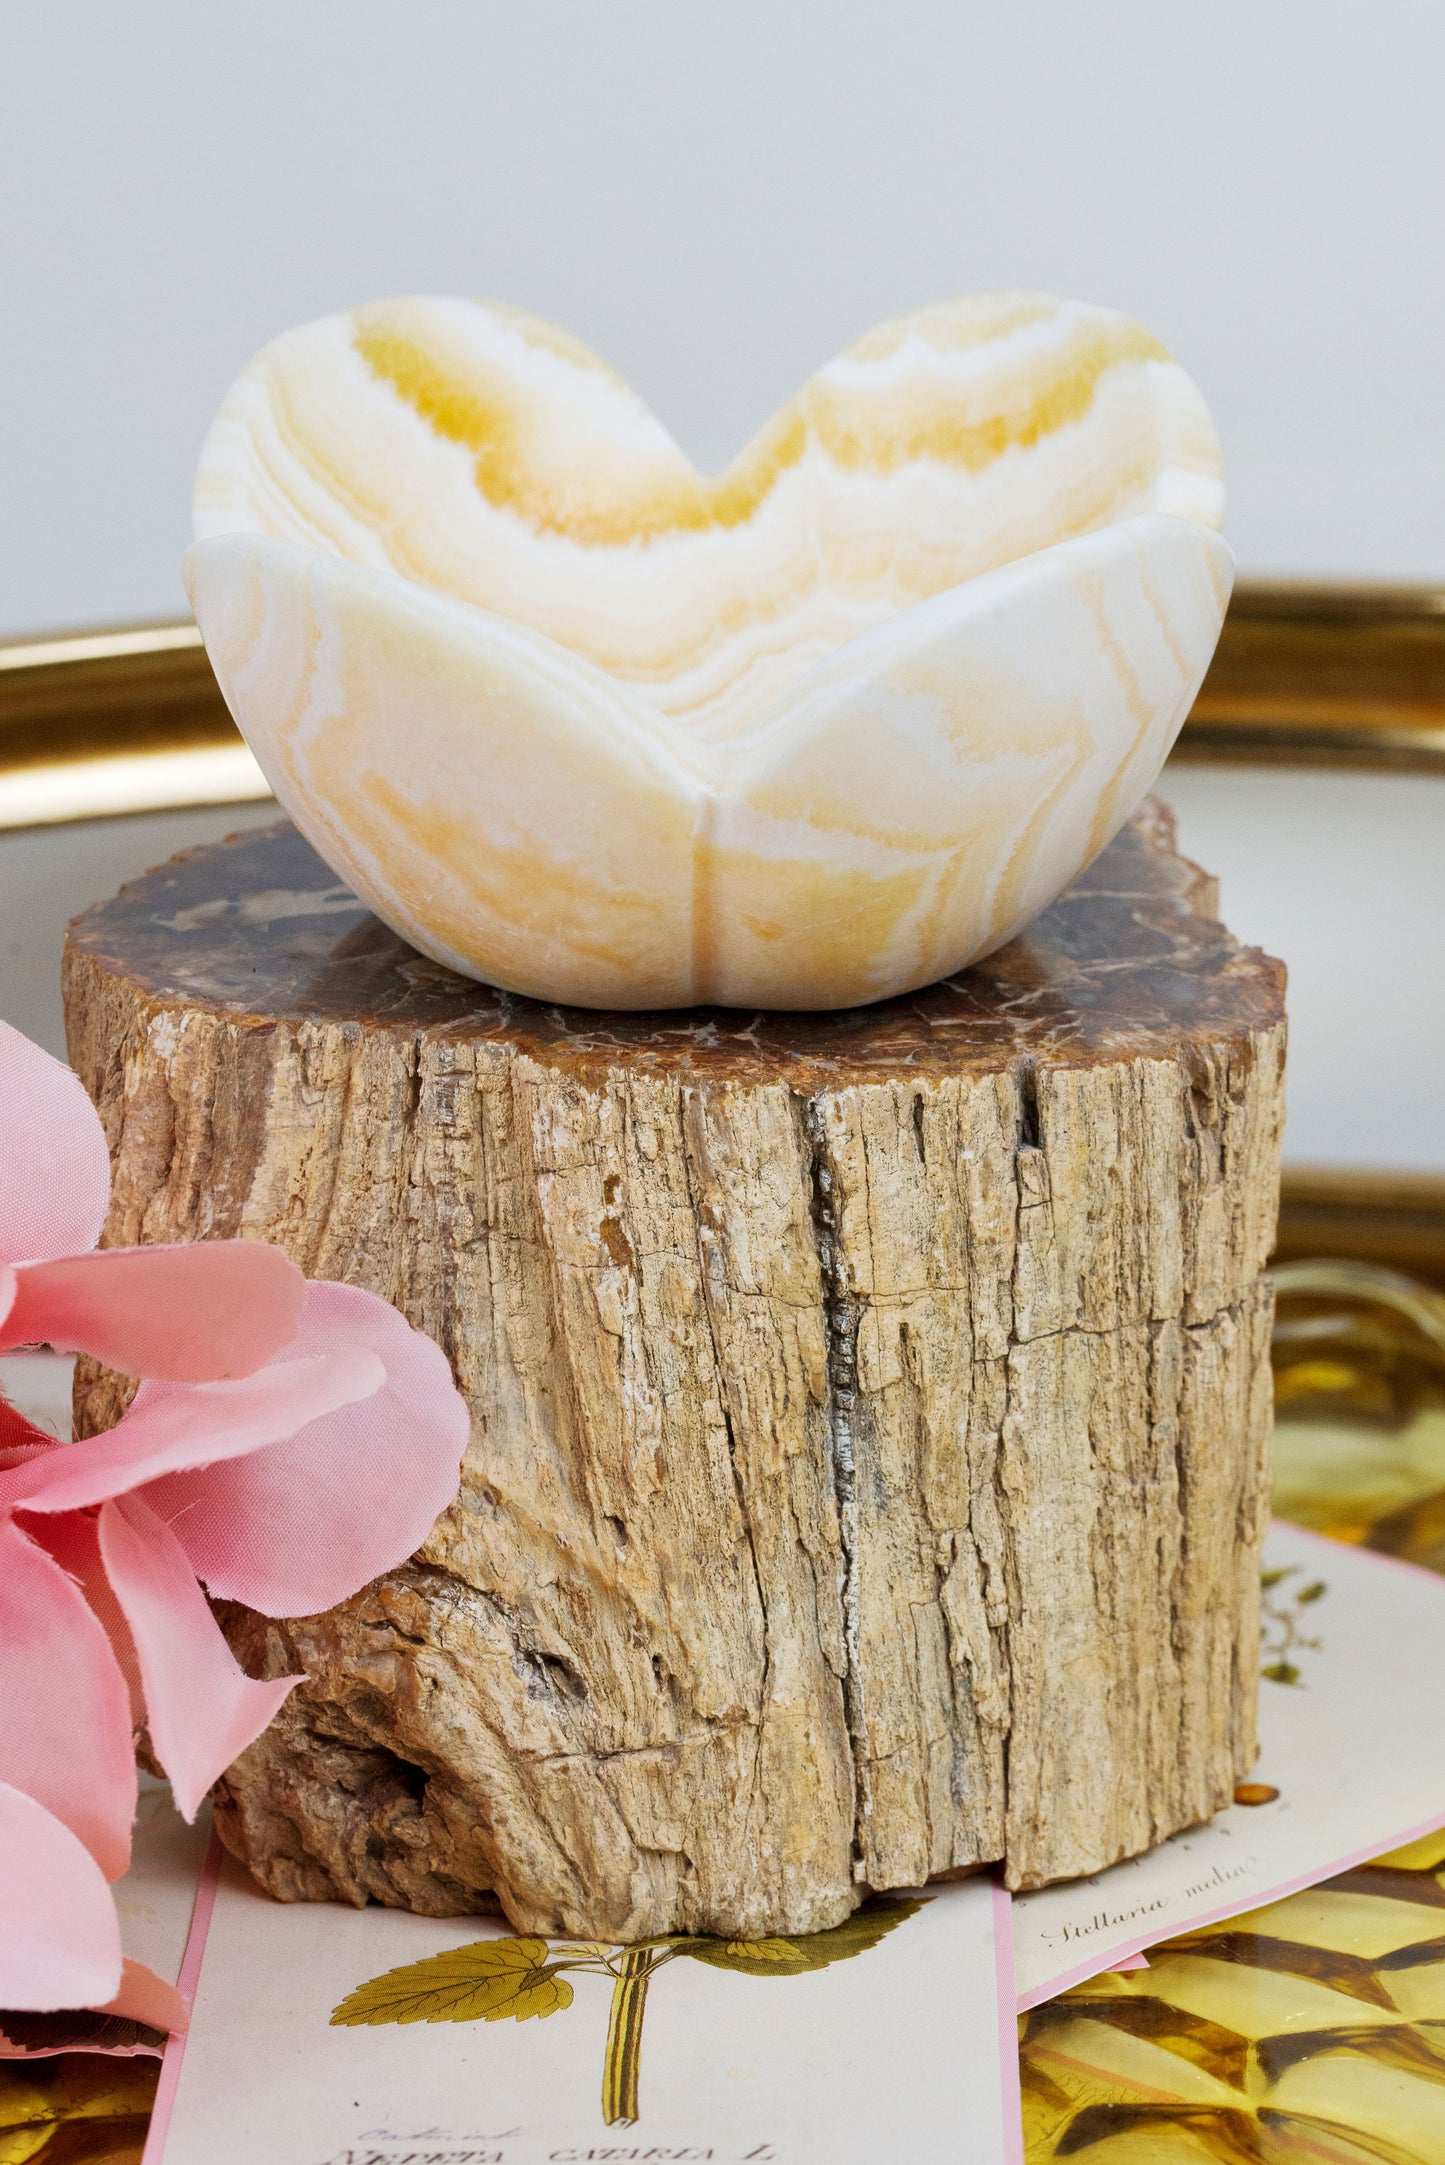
x=1352 y=1738
x=904 y=2047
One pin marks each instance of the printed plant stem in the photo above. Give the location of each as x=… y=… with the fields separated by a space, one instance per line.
x=498 y=1979
x=623 y=2062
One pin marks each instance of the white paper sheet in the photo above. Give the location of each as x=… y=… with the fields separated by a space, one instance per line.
x=1355 y=1747
x=158 y=1893
x=906 y=2048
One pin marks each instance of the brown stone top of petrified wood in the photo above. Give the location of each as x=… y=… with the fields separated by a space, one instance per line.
x=1124 y=963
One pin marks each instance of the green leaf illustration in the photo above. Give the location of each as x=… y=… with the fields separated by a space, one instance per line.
x=810 y=1951
x=490 y=1981
x=1312 y=1592
x=762 y=1950
x=501 y=1979
x=1281 y=1672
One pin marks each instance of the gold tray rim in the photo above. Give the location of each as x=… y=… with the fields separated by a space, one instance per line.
x=124 y=718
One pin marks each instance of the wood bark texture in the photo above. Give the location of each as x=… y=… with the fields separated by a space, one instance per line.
x=870 y=1411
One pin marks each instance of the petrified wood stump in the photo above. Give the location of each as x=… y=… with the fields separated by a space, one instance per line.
x=870 y=1410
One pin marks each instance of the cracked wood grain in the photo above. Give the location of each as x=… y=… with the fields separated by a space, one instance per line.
x=870 y=1412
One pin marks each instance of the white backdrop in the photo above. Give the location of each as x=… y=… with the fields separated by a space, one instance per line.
x=717 y=194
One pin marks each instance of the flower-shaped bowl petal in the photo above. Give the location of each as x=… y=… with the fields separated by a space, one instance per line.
x=584 y=723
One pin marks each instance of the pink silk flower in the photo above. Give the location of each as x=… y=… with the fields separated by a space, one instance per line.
x=288 y=1443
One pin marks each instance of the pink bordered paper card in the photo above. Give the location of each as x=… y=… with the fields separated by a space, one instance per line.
x=323 y=2035
x=1352 y=1762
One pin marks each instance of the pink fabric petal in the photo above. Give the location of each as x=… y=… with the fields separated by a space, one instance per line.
x=20 y=1439
x=190 y=1314
x=73 y=1539
x=55 y=1169
x=65 y=1724
x=59 y=1933
x=308 y=1522
x=171 y=1426
x=144 y=1997
x=201 y=1707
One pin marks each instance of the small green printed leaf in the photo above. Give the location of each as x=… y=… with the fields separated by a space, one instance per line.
x=1312 y=1592
x=546 y=1995
x=1281 y=1672
x=1272 y=1578
x=490 y=1981
x=806 y=1950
